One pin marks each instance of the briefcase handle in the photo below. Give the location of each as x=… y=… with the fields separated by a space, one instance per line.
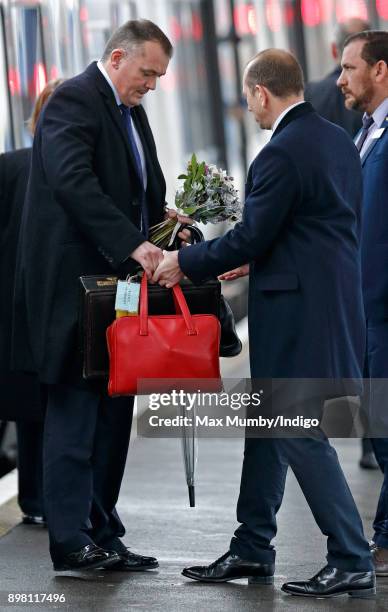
x=180 y=303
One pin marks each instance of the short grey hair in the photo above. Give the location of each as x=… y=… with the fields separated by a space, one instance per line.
x=133 y=34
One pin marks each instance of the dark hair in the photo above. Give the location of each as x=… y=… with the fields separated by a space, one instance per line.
x=277 y=70
x=133 y=34
x=375 y=47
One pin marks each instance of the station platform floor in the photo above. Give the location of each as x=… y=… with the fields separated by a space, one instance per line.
x=154 y=507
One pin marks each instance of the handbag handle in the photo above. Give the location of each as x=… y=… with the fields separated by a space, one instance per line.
x=196 y=236
x=179 y=299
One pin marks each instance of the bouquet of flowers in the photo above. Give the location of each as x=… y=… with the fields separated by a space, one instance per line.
x=207 y=196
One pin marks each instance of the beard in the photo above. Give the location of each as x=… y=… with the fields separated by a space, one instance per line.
x=362 y=101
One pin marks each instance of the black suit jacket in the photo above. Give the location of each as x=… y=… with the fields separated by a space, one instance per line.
x=82 y=216
x=19 y=392
x=328 y=101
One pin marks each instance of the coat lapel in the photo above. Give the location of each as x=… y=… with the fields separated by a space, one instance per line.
x=144 y=131
x=117 y=118
x=114 y=111
x=374 y=141
x=156 y=185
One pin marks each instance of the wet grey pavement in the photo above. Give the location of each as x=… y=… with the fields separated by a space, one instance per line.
x=154 y=507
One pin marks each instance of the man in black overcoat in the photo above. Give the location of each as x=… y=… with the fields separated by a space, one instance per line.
x=95 y=188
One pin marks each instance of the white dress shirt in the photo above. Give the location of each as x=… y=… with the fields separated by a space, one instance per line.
x=139 y=145
x=284 y=113
x=378 y=116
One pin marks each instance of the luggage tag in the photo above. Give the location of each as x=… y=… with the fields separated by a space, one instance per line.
x=127 y=297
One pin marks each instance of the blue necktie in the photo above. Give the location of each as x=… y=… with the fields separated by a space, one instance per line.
x=366 y=123
x=127 y=114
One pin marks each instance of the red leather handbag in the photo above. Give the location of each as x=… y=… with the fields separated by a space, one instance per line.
x=179 y=346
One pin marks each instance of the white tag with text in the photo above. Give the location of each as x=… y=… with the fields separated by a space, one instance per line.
x=127 y=296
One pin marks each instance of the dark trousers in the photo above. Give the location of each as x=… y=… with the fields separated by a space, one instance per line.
x=30 y=467
x=380 y=523
x=85 y=447
x=375 y=404
x=316 y=467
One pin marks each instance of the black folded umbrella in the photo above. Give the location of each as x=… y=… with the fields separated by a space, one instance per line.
x=190 y=454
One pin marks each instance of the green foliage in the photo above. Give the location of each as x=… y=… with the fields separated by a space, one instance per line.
x=207 y=196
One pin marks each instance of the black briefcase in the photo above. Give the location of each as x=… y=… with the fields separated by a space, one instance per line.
x=97 y=312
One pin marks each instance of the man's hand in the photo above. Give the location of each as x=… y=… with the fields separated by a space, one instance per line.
x=168 y=273
x=236 y=273
x=148 y=256
x=184 y=234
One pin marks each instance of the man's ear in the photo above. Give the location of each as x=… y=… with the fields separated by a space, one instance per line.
x=262 y=92
x=115 y=57
x=380 y=71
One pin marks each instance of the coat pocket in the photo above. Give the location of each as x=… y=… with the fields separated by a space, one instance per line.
x=277 y=282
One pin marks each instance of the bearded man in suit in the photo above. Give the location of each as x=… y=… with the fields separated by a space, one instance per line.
x=95 y=187
x=300 y=236
x=364 y=82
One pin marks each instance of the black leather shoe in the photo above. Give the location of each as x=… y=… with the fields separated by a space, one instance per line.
x=330 y=582
x=131 y=562
x=232 y=567
x=29 y=519
x=88 y=557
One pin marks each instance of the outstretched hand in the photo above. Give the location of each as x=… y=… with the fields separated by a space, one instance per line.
x=236 y=273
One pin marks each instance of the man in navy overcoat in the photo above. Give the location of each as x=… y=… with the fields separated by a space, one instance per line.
x=300 y=236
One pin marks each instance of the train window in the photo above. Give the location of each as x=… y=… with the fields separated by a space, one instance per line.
x=319 y=18
x=103 y=19
x=30 y=72
x=237 y=30
x=63 y=29
x=351 y=8
x=5 y=117
x=121 y=12
x=99 y=27
x=274 y=21
x=382 y=10
x=190 y=66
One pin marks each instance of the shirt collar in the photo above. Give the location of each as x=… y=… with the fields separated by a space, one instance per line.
x=284 y=113
x=380 y=113
x=101 y=68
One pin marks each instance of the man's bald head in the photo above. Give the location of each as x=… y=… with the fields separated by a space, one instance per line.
x=277 y=70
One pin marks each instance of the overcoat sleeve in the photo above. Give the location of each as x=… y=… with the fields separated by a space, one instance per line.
x=274 y=190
